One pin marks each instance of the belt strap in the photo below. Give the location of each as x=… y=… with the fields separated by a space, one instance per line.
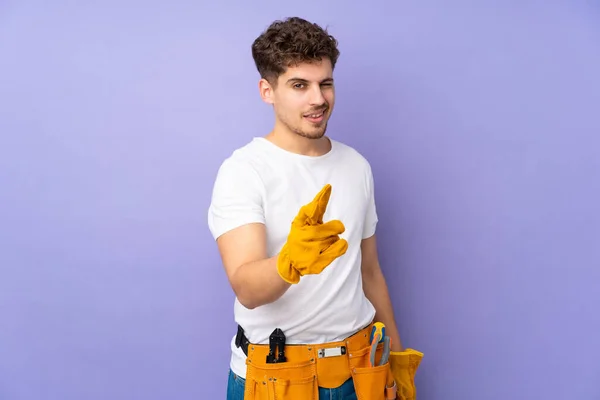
x=276 y=345
x=241 y=340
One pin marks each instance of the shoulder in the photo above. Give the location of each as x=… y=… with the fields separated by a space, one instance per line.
x=242 y=162
x=237 y=179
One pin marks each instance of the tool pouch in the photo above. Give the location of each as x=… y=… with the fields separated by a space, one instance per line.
x=275 y=375
x=289 y=380
x=371 y=383
x=299 y=371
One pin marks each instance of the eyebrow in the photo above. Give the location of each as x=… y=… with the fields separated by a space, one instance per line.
x=305 y=81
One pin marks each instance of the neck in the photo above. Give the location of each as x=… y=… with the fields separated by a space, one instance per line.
x=294 y=143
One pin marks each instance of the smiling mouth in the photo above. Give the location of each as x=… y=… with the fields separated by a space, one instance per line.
x=315 y=115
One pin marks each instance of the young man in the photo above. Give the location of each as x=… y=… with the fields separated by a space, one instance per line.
x=293 y=214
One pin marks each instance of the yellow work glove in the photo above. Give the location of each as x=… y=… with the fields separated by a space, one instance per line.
x=311 y=244
x=404 y=366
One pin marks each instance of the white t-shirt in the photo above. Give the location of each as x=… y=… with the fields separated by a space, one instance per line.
x=261 y=182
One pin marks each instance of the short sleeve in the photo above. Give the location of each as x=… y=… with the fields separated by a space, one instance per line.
x=370 y=223
x=236 y=198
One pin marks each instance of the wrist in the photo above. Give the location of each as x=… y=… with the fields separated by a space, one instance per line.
x=285 y=270
x=397 y=348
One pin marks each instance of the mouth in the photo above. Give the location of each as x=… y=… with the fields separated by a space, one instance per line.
x=315 y=117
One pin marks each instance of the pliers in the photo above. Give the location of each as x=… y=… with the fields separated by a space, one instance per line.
x=377 y=336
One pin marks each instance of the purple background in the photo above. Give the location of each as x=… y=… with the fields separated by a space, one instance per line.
x=482 y=123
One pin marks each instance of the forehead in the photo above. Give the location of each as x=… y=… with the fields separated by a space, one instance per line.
x=313 y=71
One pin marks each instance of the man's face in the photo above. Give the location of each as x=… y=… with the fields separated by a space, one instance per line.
x=304 y=97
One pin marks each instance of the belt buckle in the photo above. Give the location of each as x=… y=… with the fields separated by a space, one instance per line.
x=332 y=352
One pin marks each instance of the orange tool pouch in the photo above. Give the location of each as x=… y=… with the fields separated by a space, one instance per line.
x=299 y=371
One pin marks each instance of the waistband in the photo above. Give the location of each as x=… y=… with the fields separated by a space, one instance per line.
x=354 y=342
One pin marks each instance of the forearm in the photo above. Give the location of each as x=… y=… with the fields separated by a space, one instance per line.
x=258 y=283
x=376 y=290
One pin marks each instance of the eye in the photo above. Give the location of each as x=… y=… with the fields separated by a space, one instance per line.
x=298 y=86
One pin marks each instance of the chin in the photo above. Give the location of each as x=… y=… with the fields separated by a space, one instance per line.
x=318 y=135
x=315 y=134
x=309 y=131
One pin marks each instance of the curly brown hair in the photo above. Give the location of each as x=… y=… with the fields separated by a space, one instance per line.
x=291 y=42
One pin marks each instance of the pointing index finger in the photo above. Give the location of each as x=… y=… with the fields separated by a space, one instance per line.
x=313 y=212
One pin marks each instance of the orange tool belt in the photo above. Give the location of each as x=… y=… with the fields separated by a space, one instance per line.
x=299 y=371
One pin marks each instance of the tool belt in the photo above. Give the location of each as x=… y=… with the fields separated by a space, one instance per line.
x=296 y=371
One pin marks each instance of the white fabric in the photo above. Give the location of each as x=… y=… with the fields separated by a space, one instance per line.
x=260 y=182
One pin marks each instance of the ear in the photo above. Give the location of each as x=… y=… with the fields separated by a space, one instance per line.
x=266 y=91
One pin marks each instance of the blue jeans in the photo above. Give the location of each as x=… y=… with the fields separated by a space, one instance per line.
x=235 y=390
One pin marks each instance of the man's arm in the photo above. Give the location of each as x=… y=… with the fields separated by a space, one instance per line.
x=252 y=275
x=376 y=290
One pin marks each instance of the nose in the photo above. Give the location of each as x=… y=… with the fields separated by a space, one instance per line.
x=316 y=96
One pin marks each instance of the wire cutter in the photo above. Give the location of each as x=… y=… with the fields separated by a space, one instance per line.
x=378 y=336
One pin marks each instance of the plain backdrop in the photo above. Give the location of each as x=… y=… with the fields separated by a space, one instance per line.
x=482 y=123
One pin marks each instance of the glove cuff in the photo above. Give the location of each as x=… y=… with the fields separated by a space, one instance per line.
x=285 y=269
x=406 y=358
